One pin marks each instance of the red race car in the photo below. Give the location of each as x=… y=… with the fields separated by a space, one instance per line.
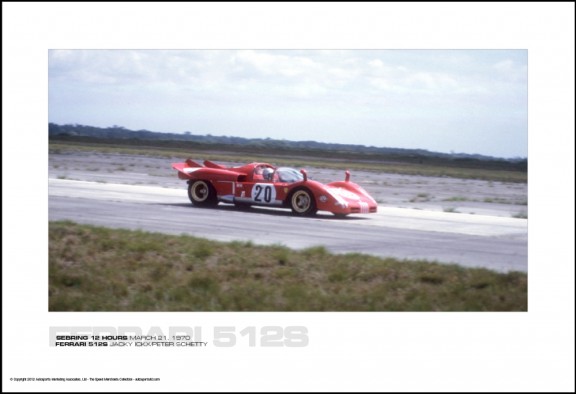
x=266 y=185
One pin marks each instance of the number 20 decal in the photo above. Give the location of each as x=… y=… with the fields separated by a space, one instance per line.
x=263 y=193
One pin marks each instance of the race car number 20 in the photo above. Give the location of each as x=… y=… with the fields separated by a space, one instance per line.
x=263 y=193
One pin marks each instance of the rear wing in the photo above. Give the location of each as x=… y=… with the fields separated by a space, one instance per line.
x=192 y=163
x=207 y=163
x=189 y=163
x=186 y=168
x=193 y=170
x=211 y=164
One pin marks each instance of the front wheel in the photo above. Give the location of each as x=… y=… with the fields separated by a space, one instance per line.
x=202 y=194
x=303 y=203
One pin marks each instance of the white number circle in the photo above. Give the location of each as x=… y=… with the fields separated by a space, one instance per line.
x=263 y=193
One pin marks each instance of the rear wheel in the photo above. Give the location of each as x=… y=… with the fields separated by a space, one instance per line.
x=202 y=194
x=303 y=203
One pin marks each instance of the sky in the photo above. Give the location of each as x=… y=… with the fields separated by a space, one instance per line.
x=451 y=101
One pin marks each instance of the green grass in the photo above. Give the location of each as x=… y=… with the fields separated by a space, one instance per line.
x=451 y=210
x=497 y=200
x=456 y=199
x=308 y=160
x=421 y=197
x=101 y=269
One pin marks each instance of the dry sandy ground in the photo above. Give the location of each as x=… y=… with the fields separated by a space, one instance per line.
x=390 y=190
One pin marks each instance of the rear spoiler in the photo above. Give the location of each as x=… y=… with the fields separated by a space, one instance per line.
x=211 y=164
x=207 y=163
x=192 y=163
x=189 y=166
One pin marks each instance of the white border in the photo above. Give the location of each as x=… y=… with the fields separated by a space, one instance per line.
x=531 y=351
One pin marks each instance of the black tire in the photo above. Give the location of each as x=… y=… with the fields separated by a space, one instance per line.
x=202 y=194
x=302 y=202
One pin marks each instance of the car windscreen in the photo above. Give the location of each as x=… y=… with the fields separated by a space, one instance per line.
x=289 y=175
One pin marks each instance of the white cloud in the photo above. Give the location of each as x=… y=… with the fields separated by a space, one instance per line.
x=511 y=71
x=432 y=82
x=277 y=64
x=376 y=63
x=504 y=65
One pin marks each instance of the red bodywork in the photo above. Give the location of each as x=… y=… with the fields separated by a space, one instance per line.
x=265 y=185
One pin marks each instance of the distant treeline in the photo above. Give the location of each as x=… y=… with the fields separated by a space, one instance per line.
x=121 y=136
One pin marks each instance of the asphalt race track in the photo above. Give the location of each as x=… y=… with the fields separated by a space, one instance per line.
x=497 y=243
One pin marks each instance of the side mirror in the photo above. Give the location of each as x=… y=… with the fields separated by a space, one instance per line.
x=303 y=172
x=347 y=176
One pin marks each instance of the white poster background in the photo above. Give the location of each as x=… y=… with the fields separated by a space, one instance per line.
x=531 y=351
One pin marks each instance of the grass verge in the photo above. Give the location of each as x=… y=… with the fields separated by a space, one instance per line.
x=102 y=269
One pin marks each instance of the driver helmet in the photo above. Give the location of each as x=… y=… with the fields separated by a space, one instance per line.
x=267 y=173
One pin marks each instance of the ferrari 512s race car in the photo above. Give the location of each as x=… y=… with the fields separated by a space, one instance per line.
x=265 y=185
